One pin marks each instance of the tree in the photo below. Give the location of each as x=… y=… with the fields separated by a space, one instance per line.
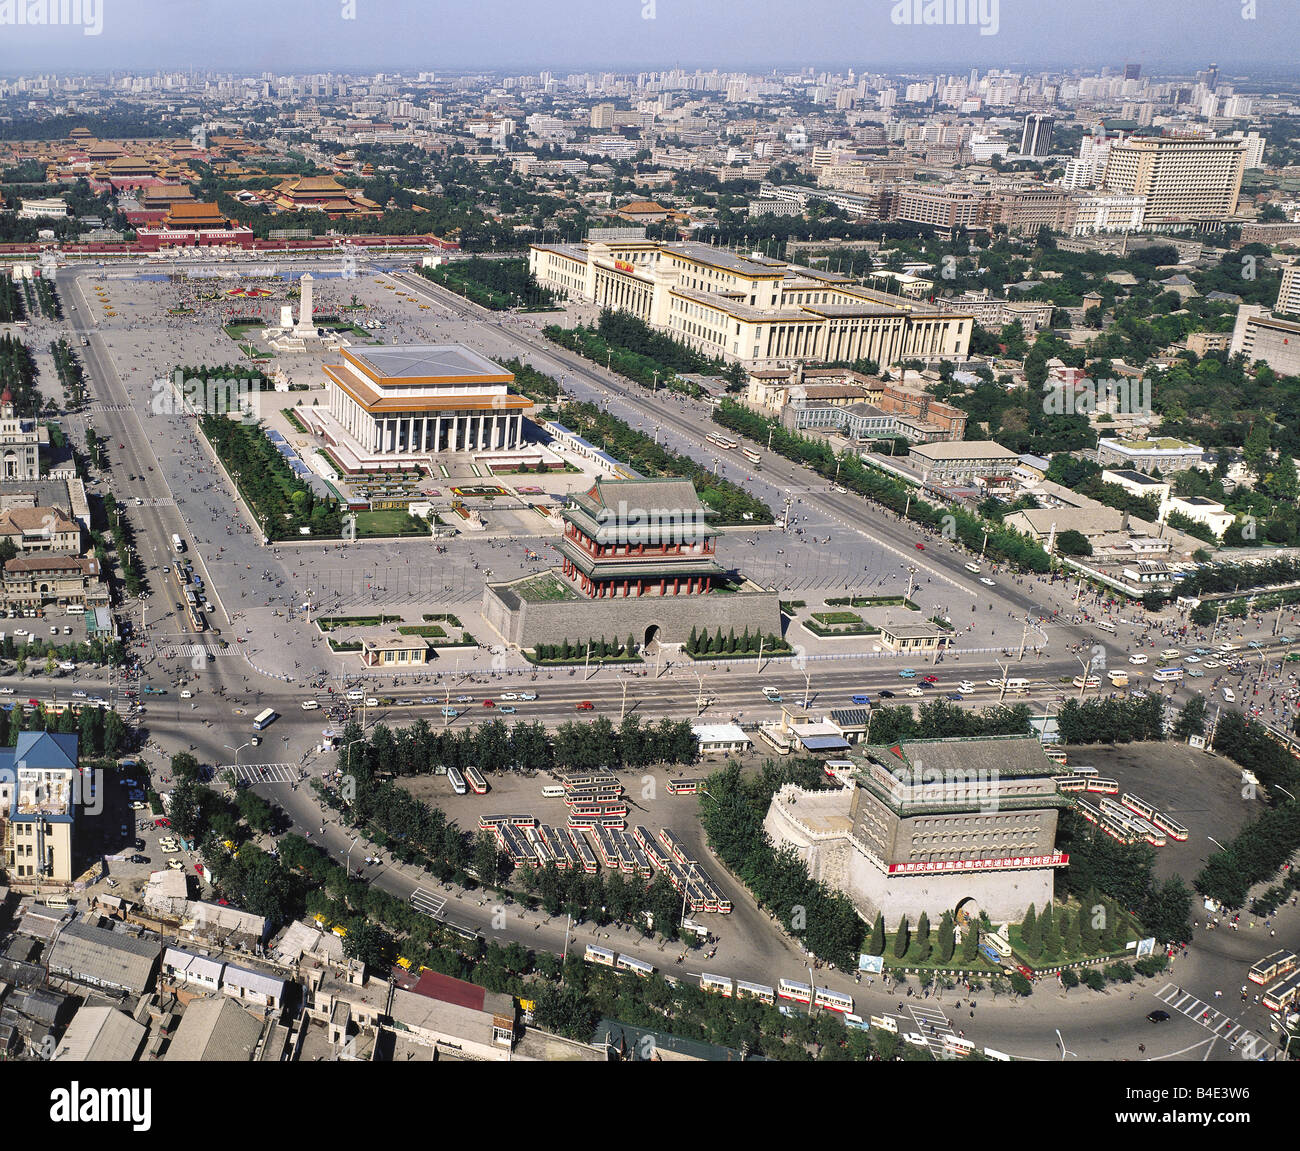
x=1191 y=718
x=485 y=859
x=1072 y=934
x=970 y=942
x=902 y=937
x=947 y=940
x=1051 y=934
x=877 y=944
x=919 y=952
x=1073 y=543
x=1255 y=450
x=1032 y=934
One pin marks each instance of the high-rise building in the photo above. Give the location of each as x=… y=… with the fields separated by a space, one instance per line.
x=1036 y=137
x=1288 y=294
x=1179 y=177
x=1132 y=71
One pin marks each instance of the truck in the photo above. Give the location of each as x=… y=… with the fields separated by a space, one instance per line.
x=177 y=543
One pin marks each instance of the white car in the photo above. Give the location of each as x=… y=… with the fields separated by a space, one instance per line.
x=137 y=806
x=965 y=687
x=176 y=865
x=509 y=696
x=1229 y=696
x=986 y=581
x=75 y=694
x=993 y=683
x=914 y=691
x=1211 y=664
x=67 y=665
x=1137 y=659
x=10 y=691
x=187 y=694
x=524 y=696
x=372 y=701
x=1192 y=659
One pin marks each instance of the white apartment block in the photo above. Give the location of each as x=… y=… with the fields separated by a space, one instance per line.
x=1179 y=176
x=1107 y=213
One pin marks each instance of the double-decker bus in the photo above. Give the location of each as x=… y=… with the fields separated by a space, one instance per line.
x=720 y=441
x=754 y=991
x=1271 y=966
x=636 y=966
x=718 y=984
x=833 y=1000
x=790 y=989
x=752 y=456
x=477 y=784
x=601 y=955
x=264 y=719
x=1282 y=994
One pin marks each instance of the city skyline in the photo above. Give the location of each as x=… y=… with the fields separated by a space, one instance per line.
x=344 y=35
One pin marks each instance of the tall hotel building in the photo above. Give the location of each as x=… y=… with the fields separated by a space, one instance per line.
x=1179 y=177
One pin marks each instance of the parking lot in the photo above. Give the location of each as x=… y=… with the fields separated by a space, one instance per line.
x=1201 y=791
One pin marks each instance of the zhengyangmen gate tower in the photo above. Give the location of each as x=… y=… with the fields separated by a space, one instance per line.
x=624 y=539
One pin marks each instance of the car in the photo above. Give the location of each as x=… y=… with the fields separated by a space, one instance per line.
x=509 y=697
x=1202 y=651
x=862 y=699
x=488 y=703
x=1255 y=644
x=930 y=679
x=372 y=701
x=907 y=673
x=1138 y=694
x=987 y=582
x=915 y=1039
x=176 y=865
x=1196 y=673
x=915 y=691
x=585 y=705
x=138 y=845
x=1192 y=659
x=450 y=713
x=920 y=547
x=256 y=740
x=527 y=696
x=111 y=883
x=1157 y=1016
x=429 y=699
x=507 y=709
x=1211 y=664
x=139 y=502
x=886 y=694
x=965 y=686
x=187 y=694
x=1229 y=696
x=180 y=606
x=464 y=699
x=1138 y=659
x=956 y=696
x=10 y=691
x=136 y=805
x=139 y=859
x=973 y=568
x=162 y=821
x=992 y=683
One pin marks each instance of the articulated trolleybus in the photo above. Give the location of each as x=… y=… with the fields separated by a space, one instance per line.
x=720 y=441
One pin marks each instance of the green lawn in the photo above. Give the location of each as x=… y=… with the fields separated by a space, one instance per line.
x=545 y=589
x=388 y=522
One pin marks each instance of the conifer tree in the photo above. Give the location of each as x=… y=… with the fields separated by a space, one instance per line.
x=877 y=944
x=902 y=937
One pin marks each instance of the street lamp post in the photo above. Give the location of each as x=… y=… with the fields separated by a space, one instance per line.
x=237 y=750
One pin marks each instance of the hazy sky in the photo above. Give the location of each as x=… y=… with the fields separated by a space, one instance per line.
x=309 y=35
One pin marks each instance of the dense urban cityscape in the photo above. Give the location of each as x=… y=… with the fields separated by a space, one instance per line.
x=890 y=652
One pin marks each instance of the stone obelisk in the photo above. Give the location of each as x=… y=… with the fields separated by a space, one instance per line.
x=306 y=328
